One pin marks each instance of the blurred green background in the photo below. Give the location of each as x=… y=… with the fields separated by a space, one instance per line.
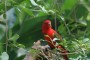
x=21 y=22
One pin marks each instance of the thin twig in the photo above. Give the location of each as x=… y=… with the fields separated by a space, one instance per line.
x=6 y=27
x=55 y=23
x=67 y=28
x=55 y=2
x=44 y=54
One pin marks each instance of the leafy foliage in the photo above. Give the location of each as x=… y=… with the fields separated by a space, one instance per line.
x=25 y=19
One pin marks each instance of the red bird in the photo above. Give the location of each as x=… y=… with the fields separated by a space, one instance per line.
x=49 y=35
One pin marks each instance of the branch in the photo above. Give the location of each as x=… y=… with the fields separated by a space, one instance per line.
x=6 y=26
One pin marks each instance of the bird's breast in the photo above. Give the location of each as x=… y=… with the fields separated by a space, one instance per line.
x=50 y=33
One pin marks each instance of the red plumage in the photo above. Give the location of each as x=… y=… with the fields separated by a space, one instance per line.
x=49 y=35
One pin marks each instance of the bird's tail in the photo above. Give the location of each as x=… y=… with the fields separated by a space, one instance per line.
x=63 y=51
x=65 y=56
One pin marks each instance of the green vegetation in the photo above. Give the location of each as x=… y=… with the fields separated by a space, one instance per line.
x=21 y=22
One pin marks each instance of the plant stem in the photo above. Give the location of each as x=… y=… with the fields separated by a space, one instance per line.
x=55 y=2
x=6 y=27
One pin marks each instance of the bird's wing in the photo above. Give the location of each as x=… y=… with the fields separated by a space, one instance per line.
x=58 y=36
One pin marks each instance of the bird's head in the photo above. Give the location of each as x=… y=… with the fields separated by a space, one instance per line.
x=46 y=24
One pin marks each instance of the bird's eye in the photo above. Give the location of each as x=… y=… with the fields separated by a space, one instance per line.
x=47 y=23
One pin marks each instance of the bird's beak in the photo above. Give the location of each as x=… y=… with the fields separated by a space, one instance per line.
x=49 y=23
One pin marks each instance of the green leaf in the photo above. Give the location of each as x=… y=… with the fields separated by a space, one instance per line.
x=88 y=16
x=81 y=11
x=1 y=47
x=2 y=31
x=27 y=10
x=21 y=15
x=10 y=33
x=88 y=29
x=14 y=38
x=2 y=8
x=41 y=14
x=62 y=30
x=30 y=25
x=69 y=4
x=31 y=31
